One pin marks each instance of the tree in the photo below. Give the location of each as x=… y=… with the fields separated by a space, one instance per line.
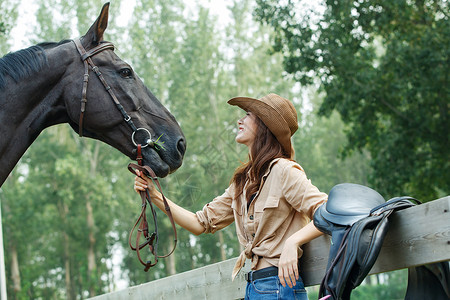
x=80 y=203
x=384 y=67
x=65 y=185
x=185 y=63
x=7 y=19
x=318 y=145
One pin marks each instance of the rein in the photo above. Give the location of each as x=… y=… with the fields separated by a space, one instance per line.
x=152 y=239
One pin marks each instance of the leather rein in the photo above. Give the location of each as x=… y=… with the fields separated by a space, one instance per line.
x=150 y=239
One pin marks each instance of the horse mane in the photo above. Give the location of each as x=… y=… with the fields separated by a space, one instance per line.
x=23 y=63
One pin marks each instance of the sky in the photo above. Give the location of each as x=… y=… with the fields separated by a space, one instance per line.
x=27 y=9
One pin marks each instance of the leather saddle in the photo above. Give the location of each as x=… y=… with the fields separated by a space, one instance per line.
x=356 y=217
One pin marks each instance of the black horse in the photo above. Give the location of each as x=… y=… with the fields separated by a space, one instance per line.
x=42 y=86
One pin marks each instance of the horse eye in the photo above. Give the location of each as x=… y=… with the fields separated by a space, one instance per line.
x=125 y=73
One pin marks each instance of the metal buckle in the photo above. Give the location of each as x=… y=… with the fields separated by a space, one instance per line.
x=147 y=142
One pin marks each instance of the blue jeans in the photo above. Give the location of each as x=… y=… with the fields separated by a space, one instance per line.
x=271 y=288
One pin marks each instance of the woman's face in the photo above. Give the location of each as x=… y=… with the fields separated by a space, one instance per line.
x=247 y=129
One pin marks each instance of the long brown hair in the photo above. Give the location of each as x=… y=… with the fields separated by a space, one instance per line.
x=265 y=148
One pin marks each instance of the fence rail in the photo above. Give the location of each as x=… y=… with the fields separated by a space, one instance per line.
x=418 y=235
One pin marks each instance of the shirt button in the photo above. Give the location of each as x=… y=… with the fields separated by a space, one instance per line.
x=251 y=217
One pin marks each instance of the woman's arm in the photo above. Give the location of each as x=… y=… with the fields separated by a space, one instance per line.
x=288 y=265
x=181 y=216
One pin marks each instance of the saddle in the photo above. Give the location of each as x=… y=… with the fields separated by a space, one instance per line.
x=356 y=217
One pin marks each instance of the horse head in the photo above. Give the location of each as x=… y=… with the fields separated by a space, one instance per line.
x=119 y=109
x=48 y=81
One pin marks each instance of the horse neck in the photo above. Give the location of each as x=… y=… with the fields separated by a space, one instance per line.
x=29 y=106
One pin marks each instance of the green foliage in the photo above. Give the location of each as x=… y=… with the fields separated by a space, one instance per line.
x=318 y=148
x=8 y=17
x=56 y=17
x=384 y=67
x=390 y=285
x=47 y=200
x=193 y=66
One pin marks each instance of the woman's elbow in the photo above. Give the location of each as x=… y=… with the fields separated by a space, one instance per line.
x=197 y=231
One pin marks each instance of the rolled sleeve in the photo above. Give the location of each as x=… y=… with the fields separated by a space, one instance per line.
x=218 y=213
x=300 y=192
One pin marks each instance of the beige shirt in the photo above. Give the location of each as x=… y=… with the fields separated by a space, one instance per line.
x=285 y=203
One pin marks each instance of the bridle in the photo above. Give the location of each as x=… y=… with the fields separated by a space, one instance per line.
x=150 y=240
x=87 y=61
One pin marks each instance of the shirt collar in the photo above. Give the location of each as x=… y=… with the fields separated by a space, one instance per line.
x=267 y=172
x=274 y=161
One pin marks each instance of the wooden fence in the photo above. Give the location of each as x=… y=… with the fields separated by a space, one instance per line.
x=418 y=235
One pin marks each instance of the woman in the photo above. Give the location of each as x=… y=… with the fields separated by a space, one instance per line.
x=270 y=199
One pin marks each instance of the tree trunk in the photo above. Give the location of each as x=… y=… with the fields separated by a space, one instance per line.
x=191 y=254
x=223 y=255
x=69 y=292
x=15 y=274
x=171 y=260
x=63 y=210
x=92 y=266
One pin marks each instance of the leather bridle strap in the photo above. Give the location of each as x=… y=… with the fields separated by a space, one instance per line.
x=86 y=58
x=151 y=240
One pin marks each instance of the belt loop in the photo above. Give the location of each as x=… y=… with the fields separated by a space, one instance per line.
x=248 y=276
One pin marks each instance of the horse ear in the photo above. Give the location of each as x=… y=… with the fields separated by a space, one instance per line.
x=95 y=33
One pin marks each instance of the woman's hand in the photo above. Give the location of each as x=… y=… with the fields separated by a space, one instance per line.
x=288 y=265
x=186 y=219
x=142 y=182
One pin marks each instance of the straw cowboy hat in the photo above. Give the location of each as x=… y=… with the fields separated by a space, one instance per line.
x=276 y=112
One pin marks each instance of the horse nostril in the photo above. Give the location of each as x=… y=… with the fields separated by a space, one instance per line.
x=181 y=146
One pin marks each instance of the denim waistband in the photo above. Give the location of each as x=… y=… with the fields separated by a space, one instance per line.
x=262 y=273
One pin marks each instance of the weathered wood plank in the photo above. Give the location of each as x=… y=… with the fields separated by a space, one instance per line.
x=209 y=282
x=417 y=236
